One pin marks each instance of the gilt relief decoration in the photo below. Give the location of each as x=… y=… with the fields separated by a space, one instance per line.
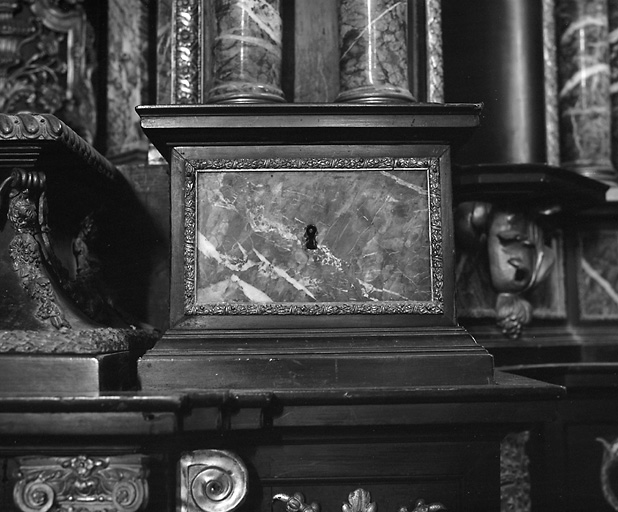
x=358 y=500
x=246 y=247
x=84 y=483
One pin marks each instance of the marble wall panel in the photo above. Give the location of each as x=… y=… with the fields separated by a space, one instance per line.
x=598 y=274
x=372 y=240
x=127 y=75
x=584 y=86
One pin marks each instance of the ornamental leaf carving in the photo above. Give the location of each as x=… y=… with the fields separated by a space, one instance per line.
x=359 y=501
x=96 y=484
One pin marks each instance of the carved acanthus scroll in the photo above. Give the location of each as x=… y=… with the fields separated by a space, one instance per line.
x=89 y=484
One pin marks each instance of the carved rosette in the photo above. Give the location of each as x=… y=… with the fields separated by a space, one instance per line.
x=212 y=481
x=89 y=484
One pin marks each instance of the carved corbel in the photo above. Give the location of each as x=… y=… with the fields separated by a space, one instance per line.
x=95 y=484
x=516 y=255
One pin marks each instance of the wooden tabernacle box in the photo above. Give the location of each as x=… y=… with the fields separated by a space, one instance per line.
x=312 y=246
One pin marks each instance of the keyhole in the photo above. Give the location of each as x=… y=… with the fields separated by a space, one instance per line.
x=310 y=233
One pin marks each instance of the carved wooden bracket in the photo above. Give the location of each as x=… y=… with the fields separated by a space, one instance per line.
x=94 y=484
x=517 y=257
x=358 y=501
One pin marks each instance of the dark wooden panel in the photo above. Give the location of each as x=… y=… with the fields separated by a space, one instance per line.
x=316 y=73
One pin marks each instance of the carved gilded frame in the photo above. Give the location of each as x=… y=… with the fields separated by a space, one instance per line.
x=429 y=166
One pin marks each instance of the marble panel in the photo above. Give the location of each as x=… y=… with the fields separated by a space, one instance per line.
x=598 y=274
x=373 y=49
x=372 y=242
x=247 y=51
x=127 y=76
x=584 y=85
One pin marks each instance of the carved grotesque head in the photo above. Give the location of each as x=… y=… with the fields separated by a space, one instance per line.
x=512 y=251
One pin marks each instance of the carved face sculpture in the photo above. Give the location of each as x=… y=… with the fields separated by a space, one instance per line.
x=513 y=247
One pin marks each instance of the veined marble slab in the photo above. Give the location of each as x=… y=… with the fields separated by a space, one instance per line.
x=372 y=244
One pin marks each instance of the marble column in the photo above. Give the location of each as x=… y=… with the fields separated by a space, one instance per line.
x=373 y=64
x=127 y=77
x=584 y=87
x=247 y=52
x=613 y=49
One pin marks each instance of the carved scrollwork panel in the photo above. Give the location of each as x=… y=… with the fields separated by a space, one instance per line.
x=92 y=484
x=48 y=62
